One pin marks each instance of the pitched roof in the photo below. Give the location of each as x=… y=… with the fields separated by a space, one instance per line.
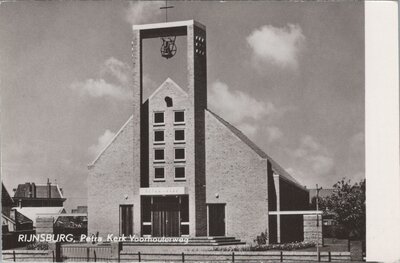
x=167 y=82
x=6 y=199
x=24 y=191
x=110 y=142
x=275 y=166
x=33 y=212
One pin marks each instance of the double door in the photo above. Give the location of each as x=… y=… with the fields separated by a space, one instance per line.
x=165 y=216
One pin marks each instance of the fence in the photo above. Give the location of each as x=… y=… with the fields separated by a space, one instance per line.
x=113 y=253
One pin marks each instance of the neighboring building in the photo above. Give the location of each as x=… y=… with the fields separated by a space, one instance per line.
x=39 y=200
x=12 y=222
x=81 y=209
x=8 y=224
x=175 y=168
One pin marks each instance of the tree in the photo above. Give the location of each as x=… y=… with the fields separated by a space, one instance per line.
x=347 y=204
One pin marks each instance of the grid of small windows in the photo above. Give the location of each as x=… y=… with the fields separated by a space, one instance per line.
x=158 y=117
x=179 y=117
x=179 y=154
x=159 y=173
x=159 y=136
x=179 y=136
x=159 y=154
x=180 y=173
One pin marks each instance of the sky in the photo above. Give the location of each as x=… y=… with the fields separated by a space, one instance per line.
x=288 y=75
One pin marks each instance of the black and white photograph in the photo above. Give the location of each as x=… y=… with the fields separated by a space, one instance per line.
x=177 y=131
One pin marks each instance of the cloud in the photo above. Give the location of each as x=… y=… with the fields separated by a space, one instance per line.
x=248 y=129
x=273 y=133
x=100 y=88
x=245 y=112
x=142 y=11
x=118 y=69
x=117 y=88
x=315 y=156
x=102 y=142
x=280 y=46
x=236 y=106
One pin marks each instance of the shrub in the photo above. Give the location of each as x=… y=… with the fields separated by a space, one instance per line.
x=38 y=246
x=286 y=246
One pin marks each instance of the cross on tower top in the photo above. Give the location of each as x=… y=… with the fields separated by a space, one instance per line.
x=166 y=7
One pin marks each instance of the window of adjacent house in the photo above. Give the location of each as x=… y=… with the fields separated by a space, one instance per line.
x=169 y=102
x=180 y=173
x=158 y=117
x=159 y=154
x=159 y=136
x=179 y=135
x=179 y=154
x=159 y=173
x=179 y=117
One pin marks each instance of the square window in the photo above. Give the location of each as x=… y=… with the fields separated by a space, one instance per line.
x=179 y=154
x=179 y=172
x=179 y=116
x=159 y=154
x=159 y=173
x=179 y=135
x=158 y=136
x=159 y=117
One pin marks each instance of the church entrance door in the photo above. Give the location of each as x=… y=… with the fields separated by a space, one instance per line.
x=165 y=211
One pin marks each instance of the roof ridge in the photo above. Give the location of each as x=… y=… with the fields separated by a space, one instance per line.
x=255 y=148
x=110 y=142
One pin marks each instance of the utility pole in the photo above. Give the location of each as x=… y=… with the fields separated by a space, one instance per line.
x=317 y=203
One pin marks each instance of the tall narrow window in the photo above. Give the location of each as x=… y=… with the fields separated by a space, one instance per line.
x=179 y=117
x=159 y=173
x=179 y=135
x=159 y=136
x=179 y=154
x=159 y=118
x=180 y=173
x=126 y=220
x=158 y=155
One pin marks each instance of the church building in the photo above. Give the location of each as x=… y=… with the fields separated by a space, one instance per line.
x=176 y=168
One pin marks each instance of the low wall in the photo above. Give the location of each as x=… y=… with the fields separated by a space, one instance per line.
x=312 y=229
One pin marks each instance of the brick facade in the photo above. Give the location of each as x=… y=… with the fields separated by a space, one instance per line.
x=222 y=166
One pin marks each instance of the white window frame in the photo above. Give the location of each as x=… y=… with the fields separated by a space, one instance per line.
x=184 y=134
x=158 y=179
x=154 y=157
x=154 y=137
x=184 y=117
x=179 y=178
x=154 y=119
x=184 y=152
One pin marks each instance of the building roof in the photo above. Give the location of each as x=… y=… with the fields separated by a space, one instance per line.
x=275 y=166
x=6 y=199
x=322 y=193
x=24 y=191
x=33 y=212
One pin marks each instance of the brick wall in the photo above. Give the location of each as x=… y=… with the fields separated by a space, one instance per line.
x=311 y=231
x=112 y=182
x=236 y=176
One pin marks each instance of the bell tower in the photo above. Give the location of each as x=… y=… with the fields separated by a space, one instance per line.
x=196 y=73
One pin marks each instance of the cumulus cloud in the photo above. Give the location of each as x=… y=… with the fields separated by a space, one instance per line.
x=102 y=142
x=245 y=112
x=236 y=106
x=314 y=156
x=117 y=88
x=277 y=45
x=100 y=88
x=118 y=69
x=142 y=11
